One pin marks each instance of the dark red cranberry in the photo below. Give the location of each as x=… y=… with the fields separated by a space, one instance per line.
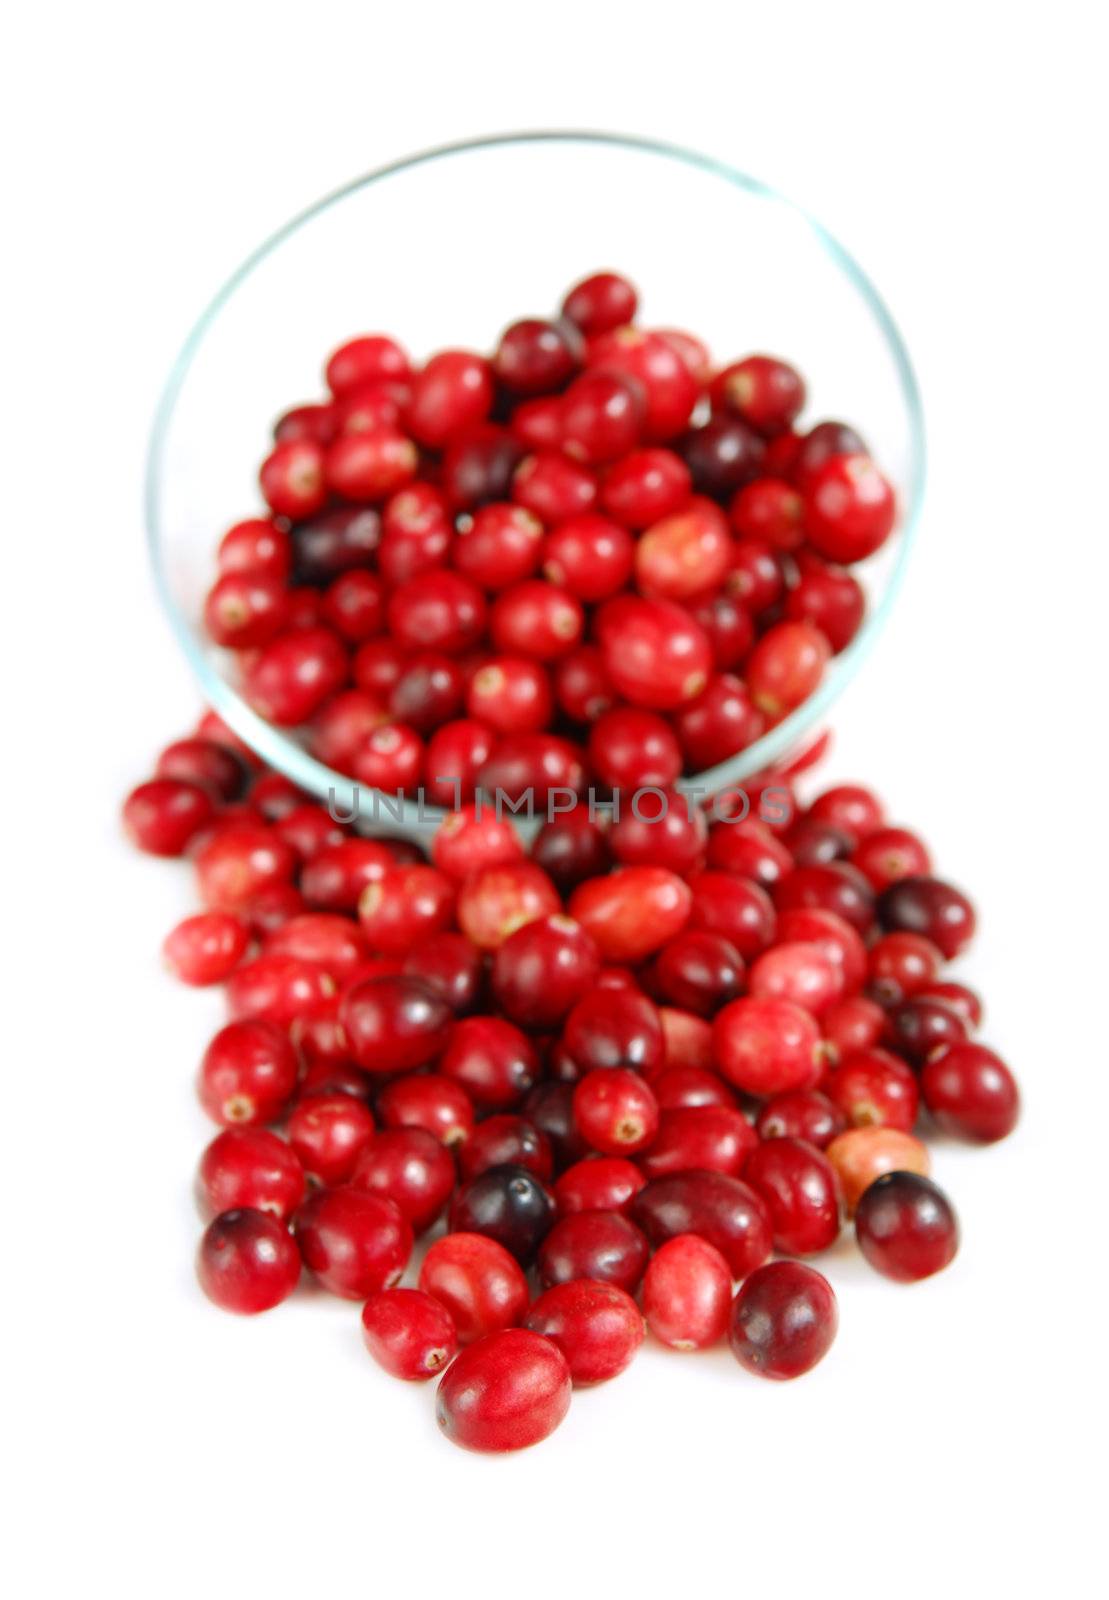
x=506 y=1140
x=646 y=486
x=335 y=878
x=378 y=667
x=163 y=816
x=722 y=455
x=270 y=909
x=963 y=1001
x=273 y=796
x=755 y=577
x=801 y=1114
x=543 y=970
x=607 y=1031
x=450 y=394
x=931 y=907
x=602 y=413
x=531 y=769
x=828 y=599
x=477 y=467
x=729 y=628
x=394 y=1024
x=251 y=1168
x=814 y=843
x=633 y=749
x=971 y=1093
x=571 y=848
x=835 y=886
x=917 y=1028
x=370 y=358
x=550 y=1106
x=406 y=556
x=874 y=1089
x=768 y=509
x=248 y=1073
x=749 y=850
x=852 y=1024
x=408 y=1333
x=334 y=543
x=783 y=1321
x=699 y=971
x=406 y=906
x=900 y=964
x=850 y=508
x=721 y=721
x=722 y=1210
x=256 y=546
x=493 y=1061
x=819 y=445
x=597 y=1326
x=712 y=1138
x=552 y=487
x=478 y=1281
x=801 y=1192
x=654 y=652
x=506 y=1392
x=600 y=303
x=448 y=964
x=429 y=692
x=906 y=1227
x=328 y=1132
x=247 y=1262
x=660 y=829
x=292 y=676
x=356 y=1243
x=602 y=1245
x=678 y=1087
x=581 y=684
x=601 y=1183
x=734 y=908
x=687 y=1294
x=862 y=1154
x=507 y=1203
x=764 y=391
x=309 y=829
x=410 y=1167
x=436 y=1104
x=439 y=611
x=538 y=357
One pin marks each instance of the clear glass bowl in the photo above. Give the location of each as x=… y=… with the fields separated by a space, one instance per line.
x=444 y=248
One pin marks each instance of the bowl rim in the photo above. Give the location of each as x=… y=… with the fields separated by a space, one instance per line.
x=412 y=819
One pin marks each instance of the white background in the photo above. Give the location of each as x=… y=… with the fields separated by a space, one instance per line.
x=952 y=1438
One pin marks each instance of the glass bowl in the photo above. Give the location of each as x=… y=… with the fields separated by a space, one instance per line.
x=443 y=249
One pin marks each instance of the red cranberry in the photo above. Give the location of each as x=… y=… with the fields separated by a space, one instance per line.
x=206 y=948
x=671 y=389
x=756 y=576
x=597 y=1326
x=633 y=749
x=862 y=1154
x=602 y=1245
x=371 y=358
x=543 y=970
x=718 y=723
x=750 y=850
x=723 y=1211
x=163 y=816
x=439 y=611
x=247 y=1262
x=394 y=1024
x=408 y=1333
x=493 y=1061
x=602 y=1183
x=418 y=510
x=687 y=1294
x=887 y=855
x=722 y=455
x=511 y=694
x=391 y=759
x=452 y=392
x=537 y=423
x=502 y=1141
x=506 y=1392
x=479 y=1283
x=906 y=1227
x=290 y=678
x=835 y=887
x=328 y=1132
x=768 y=509
x=799 y=972
x=736 y=909
x=819 y=445
x=654 y=652
x=785 y=666
x=874 y=1088
x=602 y=413
x=370 y=464
x=633 y=912
x=500 y=547
x=615 y=1112
x=406 y=556
x=279 y=988
x=901 y=964
x=248 y=1073
x=531 y=769
x=767 y=1046
x=581 y=684
x=309 y=829
x=931 y=907
x=729 y=628
x=274 y=796
x=244 y=610
x=801 y=1192
x=355 y=1243
x=589 y=556
x=335 y=879
x=478 y=466
x=852 y=1024
x=433 y=1103
x=448 y=964
x=801 y=1114
x=234 y=867
x=677 y=1087
x=608 y=1030
x=537 y=357
x=507 y=1203
x=764 y=391
x=917 y=1028
x=829 y=599
x=963 y=1001
x=699 y=971
x=378 y=667
x=783 y=1321
x=256 y=546
x=851 y=808
x=693 y=352
x=455 y=755
x=571 y=848
x=496 y=902
x=600 y=303
x=971 y=1093
x=646 y=486
x=550 y=1107
x=331 y=941
x=536 y=620
x=474 y=839
x=404 y=907
x=428 y=692
x=410 y=1167
x=251 y=1168
x=292 y=479
x=272 y=908
x=850 y=508
x=711 y=1138
x=552 y=487
x=661 y=828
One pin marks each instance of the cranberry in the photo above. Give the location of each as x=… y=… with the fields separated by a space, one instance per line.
x=963 y=1001
x=607 y=1030
x=835 y=887
x=971 y=1093
x=677 y=1087
x=654 y=652
x=756 y=576
x=404 y=556
x=550 y=1107
x=335 y=879
x=917 y=1028
x=537 y=620
x=291 y=677
x=537 y=423
x=452 y=392
x=244 y=610
x=279 y=988
x=501 y=546
x=248 y=1073
x=597 y=1326
x=600 y=303
x=801 y=1114
x=331 y=941
x=370 y=464
x=633 y=912
x=589 y=556
x=251 y=1168
x=602 y=1245
x=687 y=1294
x=206 y=948
x=377 y=404
x=355 y=1243
x=474 y=839
x=408 y=1333
x=510 y=694
x=874 y=1088
x=764 y=391
x=722 y=455
x=750 y=850
x=543 y=970
x=719 y=723
x=478 y=466
x=785 y=666
x=799 y=972
x=529 y=769
x=448 y=964
x=783 y=1321
x=378 y=667
x=552 y=487
x=247 y=1262
x=292 y=479
x=309 y=829
x=270 y=909
x=828 y=598
x=274 y=796
x=602 y=413
x=929 y=906
x=256 y=546
x=391 y=759
x=728 y=626
x=506 y=1392
x=632 y=749
x=615 y=1112
x=433 y=1103
x=479 y=1283
x=496 y=902
x=768 y=509
x=336 y=542
x=536 y=357
x=661 y=828
x=502 y=1141
x=428 y=692
x=646 y=486
x=440 y=611
x=862 y=1154
x=581 y=684
x=328 y=1132
x=687 y=1039
x=235 y=866
x=671 y=389
x=371 y=358
x=602 y=1183
x=394 y=1024
x=699 y=971
x=723 y=1211
x=163 y=816
x=455 y=755
x=836 y=938
x=819 y=445
x=887 y=855
x=712 y=1138
x=767 y=1046
x=571 y=848
x=410 y=1167
x=733 y=907
x=507 y=1203
x=404 y=907
x=852 y=1024
x=693 y=352
x=493 y=1061
x=906 y=1227
x=801 y=1192
x=850 y=508
x=901 y=964
x=421 y=509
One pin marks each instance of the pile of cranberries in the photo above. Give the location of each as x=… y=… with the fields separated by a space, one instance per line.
x=591 y=558
x=609 y=1082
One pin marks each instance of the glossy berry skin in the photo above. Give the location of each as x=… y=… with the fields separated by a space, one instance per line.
x=506 y=1203
x=799 y=972
x=440 y=611
x=634 y=749
x=247 y=1262
x=646 y=486
x=906 y=1227
x=248 y=1073
x=721 y=721
x=335 y=878
x=733 y=907
x=552 y=487
x=473 y=839
x=785 y=666
x=280 y=988
x=542 y=970
x=850 y=509
x=768 y=1046
x=687 y=1294
x=493 y=1061
x=633 y=912
x=252 y=1169
x=966 y=1005
x=699 y=971
x=835 y=887
x=292 y=479
x=511 y=695
x=705 y=1138
x=765 y=391
x=536 y=357
x=930 y=907
x=408 y=1333
x=233 y=867
x=455 y=755
x=506 y=1140
x=600 y=303
x=873 y=1088
x=862 y=1154
x=768 y=509
x=654 y=652
x=328 y=1132
x=501 y=546
x=163 y=816
x=660 y=829
x=448 y=964
x=601 y=417
x=478 y=1281
x=256 y=546
x=783 y=1321
x=602 y=1245
x=290 y=678
x=725 y=1211
x=497 y=901
x=356 y=1243
x=451 y=393
x=971 y=1093
x=685 y=555
x=801 y=1114
x=887 y=855
x=581 y=685
x=394 y=1024
x=571 y=848
x=918 y=1028
x=829 y=598
x=536 y=620
x=901 y=964
x=607 y=1030
x=478 y=465
x=206 y=948
x=431 y=1102
x=652 y=361
x=602 y=1183
x=203 y=762
x=506 y=1392
x=679 y=1087
x=404 y=907
x=410 y=1167
x=615 y=1112
x=597 y=1326
x=369 y=358
x=801 y=1192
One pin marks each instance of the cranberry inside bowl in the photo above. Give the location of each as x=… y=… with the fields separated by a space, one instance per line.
x=764 y=510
